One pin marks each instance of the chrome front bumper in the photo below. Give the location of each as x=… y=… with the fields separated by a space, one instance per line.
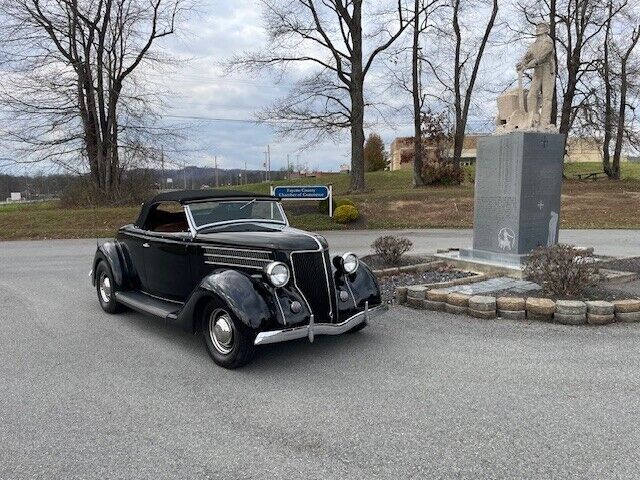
x=275 y=336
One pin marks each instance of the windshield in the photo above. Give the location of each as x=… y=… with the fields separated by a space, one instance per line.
x=211 y=213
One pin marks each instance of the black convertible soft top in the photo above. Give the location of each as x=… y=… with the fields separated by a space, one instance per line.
x=188 y=196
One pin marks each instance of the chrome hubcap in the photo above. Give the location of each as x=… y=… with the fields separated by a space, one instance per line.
x=105 y=288
x=221 y=331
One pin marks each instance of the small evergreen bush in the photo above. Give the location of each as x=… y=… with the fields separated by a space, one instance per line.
x=346 y=214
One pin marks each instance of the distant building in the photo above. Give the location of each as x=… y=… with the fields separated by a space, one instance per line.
x=587 y=149
x=401 y=153
x=579 y=150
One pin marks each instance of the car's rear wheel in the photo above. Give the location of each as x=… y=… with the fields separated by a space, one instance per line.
x=106 y=288
x=227 y=341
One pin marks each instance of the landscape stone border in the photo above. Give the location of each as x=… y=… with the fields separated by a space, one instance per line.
x=412 y=293
x=566 y=312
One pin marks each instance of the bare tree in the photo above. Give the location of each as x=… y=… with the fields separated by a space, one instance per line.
x=419 y=26
x=73 y=92
x=458 y=76
x=619 y=45
x=333 y=36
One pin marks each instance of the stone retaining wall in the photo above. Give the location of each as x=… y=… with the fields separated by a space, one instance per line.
x=568 y=312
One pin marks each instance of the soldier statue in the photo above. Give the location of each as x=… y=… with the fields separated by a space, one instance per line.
x=540 y=58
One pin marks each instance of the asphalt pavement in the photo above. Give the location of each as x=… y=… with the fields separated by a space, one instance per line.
x=84 y=394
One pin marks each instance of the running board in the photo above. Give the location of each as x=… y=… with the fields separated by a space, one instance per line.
x=149 y=305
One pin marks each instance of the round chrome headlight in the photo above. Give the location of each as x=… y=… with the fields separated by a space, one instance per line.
x=350 y=262
x=277 y=273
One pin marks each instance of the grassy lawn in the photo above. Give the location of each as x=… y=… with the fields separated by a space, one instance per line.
x=389 y=202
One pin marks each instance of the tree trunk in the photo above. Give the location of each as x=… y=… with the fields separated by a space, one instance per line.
x=357 y=140
x=567 y=104
x=553 y=34
x=458 y=135
x=458 y=143
x=357 y=102
x=608 y=109
x=417 y=101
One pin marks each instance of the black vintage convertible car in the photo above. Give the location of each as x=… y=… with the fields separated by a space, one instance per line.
x=228 y=266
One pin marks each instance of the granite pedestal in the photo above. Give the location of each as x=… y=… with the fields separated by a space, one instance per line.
x=517 y=196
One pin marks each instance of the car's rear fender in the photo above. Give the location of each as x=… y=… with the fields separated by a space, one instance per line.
x=111 y=253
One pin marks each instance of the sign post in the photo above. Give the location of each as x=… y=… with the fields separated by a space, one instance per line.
x=305 y=192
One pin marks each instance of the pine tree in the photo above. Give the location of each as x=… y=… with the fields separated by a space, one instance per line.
x=375 y=158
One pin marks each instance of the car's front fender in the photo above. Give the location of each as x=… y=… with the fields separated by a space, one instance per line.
x=240 y=293
x=364 y=287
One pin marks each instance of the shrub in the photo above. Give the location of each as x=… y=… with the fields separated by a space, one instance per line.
x=345 y=214
x=562 y=270
x=323 y=206
x=470 y=173
x=345 y=201
x=391 y=248
x=135 y=188
x=442 y=173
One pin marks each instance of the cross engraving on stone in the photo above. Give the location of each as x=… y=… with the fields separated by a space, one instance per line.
x=540 y=205
x=545 y=142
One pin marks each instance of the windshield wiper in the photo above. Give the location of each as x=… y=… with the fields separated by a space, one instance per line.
x=247 y=204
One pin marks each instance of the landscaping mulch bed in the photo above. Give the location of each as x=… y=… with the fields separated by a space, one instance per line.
x=389 y=283
x=375 y=262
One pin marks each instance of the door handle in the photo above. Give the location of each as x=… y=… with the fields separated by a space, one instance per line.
x=145 y=245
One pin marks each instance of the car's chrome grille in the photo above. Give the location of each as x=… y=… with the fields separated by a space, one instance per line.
x=312 y=276
x=237 y=257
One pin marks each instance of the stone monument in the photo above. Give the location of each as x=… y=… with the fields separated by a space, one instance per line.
x=519 y=170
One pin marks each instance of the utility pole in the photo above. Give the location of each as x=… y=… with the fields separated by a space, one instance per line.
x=269 y=162
x=245 y=173
x=184 y=170
x=215 y=160
x=265 y=166
x=288 y=167
x=162 y=180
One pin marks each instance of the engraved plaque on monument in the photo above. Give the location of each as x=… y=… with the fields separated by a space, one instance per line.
x=517 y=195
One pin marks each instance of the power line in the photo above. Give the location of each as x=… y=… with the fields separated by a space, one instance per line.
x=275 y=122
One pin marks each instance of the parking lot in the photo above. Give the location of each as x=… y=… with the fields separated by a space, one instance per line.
x=416 y=395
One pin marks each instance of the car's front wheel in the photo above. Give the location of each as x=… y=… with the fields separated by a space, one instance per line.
x=227 y=342
x=105 y=287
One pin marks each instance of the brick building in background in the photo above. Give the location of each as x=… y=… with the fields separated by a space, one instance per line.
x=579 y=150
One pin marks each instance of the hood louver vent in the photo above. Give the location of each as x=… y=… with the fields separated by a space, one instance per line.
x=255 y=259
